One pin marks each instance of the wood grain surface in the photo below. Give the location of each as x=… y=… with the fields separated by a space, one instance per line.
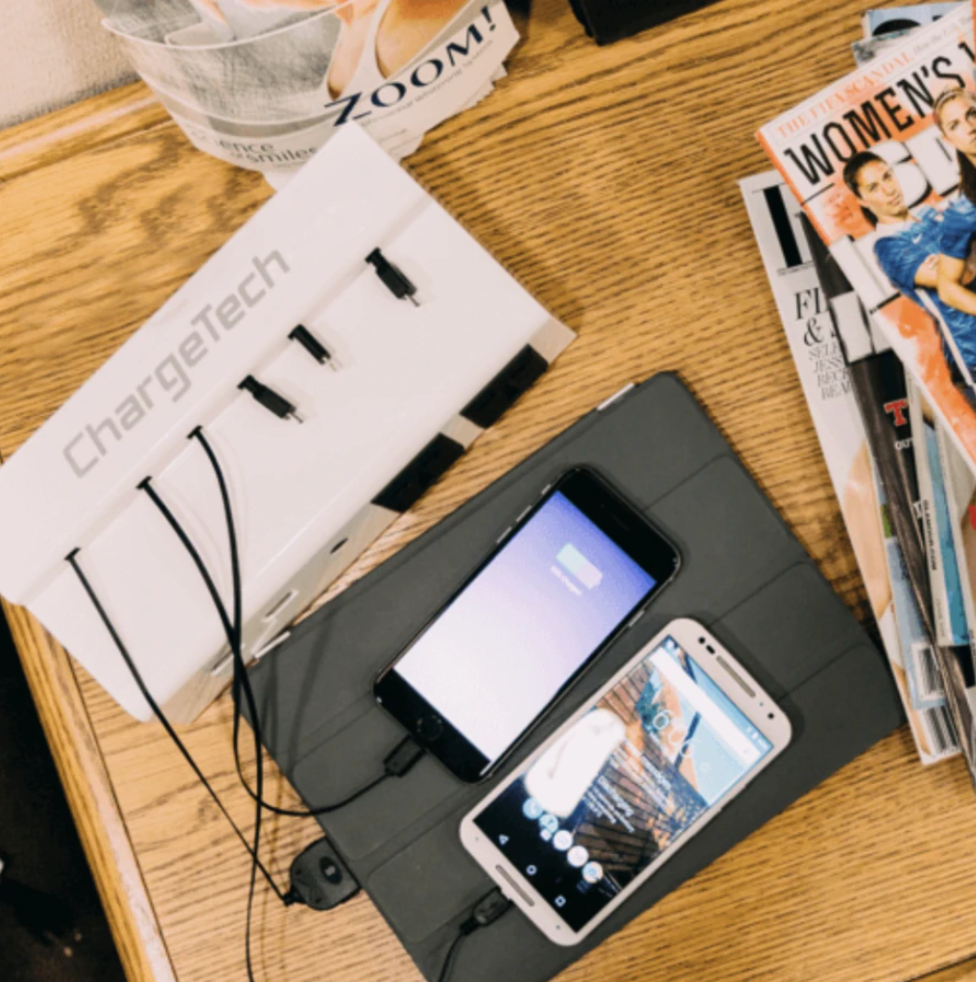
x=605 y=179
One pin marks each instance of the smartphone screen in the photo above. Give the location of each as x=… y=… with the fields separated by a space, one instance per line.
x=524 y=625
x=623 y=784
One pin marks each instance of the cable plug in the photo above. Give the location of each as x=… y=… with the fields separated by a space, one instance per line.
x=271 y=400
x=486 y=911
x=394 y=279
x=314 y=346
x=320 y=879
x=402 y=758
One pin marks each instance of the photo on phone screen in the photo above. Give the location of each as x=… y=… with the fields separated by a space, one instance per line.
x=623 y=784
x=564 y=582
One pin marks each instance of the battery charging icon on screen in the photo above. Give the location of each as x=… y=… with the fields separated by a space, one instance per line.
x=570 y=558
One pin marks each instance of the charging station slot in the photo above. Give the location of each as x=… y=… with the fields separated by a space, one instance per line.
x=408 y=486
x=281 y=605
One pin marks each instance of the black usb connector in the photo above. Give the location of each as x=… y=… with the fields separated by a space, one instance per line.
x=313 y=346
x=403 y=756
x=394 y=279
x=271 y=400
x=486 y=911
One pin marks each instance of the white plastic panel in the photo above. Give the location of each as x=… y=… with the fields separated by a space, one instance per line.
x=297 y=489
x=346 y=201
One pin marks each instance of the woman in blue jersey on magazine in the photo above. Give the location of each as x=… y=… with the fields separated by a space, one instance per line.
x=907 y=242
x=955 y=113
x=908 y=245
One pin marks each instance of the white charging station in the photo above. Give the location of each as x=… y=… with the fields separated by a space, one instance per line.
x=409 y=388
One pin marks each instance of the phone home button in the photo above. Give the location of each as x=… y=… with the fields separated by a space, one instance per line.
x=430 y=728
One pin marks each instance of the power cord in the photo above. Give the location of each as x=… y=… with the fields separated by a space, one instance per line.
x=486 y=911
x=397 y=763
x=256 y=863
x=401 y=759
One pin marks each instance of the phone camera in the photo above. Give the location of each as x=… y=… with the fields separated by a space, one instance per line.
x=771 y=715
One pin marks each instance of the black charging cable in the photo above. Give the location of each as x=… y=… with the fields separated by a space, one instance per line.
x=486 y=911
x=402 y=758
x=396 y=764
x=256 y=863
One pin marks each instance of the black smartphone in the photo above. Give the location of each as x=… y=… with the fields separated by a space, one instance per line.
x=575 y=570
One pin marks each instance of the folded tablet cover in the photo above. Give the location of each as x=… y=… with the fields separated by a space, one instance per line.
x=743 y=574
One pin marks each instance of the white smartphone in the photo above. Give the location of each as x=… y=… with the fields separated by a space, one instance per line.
x=628 y=780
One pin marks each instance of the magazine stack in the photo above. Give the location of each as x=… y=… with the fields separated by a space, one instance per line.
x=867 y=229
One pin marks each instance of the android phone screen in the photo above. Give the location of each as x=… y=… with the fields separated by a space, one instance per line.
x=506 y=645
x=623 y=783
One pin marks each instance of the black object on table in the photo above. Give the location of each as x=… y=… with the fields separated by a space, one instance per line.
x=610 y=20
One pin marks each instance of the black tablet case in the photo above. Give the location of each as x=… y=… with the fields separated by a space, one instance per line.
x=743 y=574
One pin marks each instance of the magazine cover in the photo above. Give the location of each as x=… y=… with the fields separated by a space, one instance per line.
x=828 y=386
x=936 y=686
x=868 y=48
x=953 y=654
x=881 y=391
x=264 y=83
x=882 y=27
x=938 y=676
x=960 y=487
x=889 y=20
x=930 y=667
x=873 y=159
x=950 y=617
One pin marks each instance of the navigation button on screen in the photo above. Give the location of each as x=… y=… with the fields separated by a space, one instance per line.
x=577 y=856
x=532 y=809
x=592 y=872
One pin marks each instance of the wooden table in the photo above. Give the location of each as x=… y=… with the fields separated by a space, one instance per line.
x=605 y=180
